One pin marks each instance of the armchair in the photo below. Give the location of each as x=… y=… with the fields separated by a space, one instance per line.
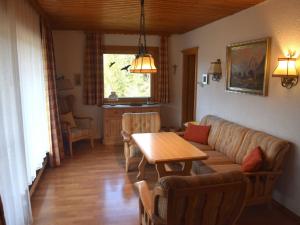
x=148 y=122
x=194 y=200
x=74 y=128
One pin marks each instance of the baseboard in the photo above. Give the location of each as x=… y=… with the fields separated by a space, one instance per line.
x=286 y=211
x=38 y=177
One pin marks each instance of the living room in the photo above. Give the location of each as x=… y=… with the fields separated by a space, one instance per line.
x=187 y=126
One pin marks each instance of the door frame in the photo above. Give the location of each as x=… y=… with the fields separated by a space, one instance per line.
x=185 y=53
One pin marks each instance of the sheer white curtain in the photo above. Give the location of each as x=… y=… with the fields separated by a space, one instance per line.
x=33 y=88
x=24 y=132
x=13 y=177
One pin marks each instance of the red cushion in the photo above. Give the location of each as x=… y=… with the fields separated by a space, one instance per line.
x=253 y=161
x=197 y=133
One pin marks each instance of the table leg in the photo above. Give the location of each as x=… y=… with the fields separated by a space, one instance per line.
x=187 y=168
x=162 y=172
x=141 y=174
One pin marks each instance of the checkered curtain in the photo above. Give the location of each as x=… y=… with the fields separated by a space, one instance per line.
x=93 y=70
x=57 y=149
x=162 y=91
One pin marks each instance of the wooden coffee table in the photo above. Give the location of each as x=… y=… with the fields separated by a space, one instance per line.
x=166 y=147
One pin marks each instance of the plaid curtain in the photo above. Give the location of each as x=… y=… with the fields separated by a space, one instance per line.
x=160 y=81
x=57 y=149
x=93 y=70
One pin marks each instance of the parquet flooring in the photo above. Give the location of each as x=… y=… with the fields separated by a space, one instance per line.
x=92 y=188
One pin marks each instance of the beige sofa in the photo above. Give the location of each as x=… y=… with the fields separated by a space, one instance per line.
x=229 y=143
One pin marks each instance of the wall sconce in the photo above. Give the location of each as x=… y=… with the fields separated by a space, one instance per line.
x=215 y=70
x=287 y=71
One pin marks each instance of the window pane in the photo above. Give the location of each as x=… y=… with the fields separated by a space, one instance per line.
x=117 y=77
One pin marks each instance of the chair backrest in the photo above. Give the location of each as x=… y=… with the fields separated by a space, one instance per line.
x=214 y=199
x=66 y=103
x=141 y=122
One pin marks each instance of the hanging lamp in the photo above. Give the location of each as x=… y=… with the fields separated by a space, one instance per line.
x=143 y=62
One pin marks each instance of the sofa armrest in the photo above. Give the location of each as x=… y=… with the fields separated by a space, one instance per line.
x=145 y=196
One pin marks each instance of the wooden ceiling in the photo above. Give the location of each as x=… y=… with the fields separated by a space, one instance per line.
x=122 y=16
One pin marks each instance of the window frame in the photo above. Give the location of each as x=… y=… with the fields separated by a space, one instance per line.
x=114 y=49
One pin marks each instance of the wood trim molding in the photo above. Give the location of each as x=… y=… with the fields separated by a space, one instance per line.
x=36 y=181
x=119 y=49
x=185 y=53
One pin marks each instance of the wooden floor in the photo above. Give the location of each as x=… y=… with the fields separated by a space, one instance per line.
x=92 y=188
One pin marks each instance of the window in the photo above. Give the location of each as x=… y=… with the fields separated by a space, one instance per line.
x=117 y=77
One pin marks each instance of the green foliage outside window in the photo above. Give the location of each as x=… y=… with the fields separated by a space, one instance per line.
x=124 y=83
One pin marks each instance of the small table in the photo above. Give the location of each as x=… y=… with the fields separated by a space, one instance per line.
x=166 y=147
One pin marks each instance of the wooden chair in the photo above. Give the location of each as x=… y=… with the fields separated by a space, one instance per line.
x=84 y=125
x=215 y=199
x=148 y=122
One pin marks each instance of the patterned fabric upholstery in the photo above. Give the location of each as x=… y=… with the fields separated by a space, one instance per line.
x=230 y=143
x=211 y=196
x=215 y=123
x=79 y=132
x=148 y=122
x=274 y=149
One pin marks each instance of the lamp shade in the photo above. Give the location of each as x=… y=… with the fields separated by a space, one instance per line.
x=143 y=64
x=215 y=67
x=286 y=68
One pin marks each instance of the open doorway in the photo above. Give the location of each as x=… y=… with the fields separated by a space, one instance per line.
x=189 y=84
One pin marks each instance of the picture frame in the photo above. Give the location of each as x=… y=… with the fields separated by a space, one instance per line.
x=248 y=67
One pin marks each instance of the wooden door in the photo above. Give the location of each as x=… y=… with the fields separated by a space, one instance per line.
x=189 y=84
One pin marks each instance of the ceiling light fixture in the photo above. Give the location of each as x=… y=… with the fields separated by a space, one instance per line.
x=143 y=62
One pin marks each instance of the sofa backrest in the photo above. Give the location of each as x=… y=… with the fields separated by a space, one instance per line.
x=215 y=123
x=275 y=149
x=141 y=122
x=237 y=141
x=216 y=198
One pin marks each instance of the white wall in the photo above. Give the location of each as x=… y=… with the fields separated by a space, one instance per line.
x=277 y=114
x=69 y=56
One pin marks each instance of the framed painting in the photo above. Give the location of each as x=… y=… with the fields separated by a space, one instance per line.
x=248 y=67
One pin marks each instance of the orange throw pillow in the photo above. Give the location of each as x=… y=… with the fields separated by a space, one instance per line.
x=253 y=161
x=197 y=133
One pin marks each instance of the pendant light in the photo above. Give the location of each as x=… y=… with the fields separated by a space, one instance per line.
x=143 y=62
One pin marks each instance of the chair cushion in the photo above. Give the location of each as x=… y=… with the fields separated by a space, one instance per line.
x=253 y=161
x=197 y=133
x=79 y=132
x=68 y=118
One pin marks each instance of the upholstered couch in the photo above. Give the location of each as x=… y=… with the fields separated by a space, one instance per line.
x=229 y=143
x=204 y=199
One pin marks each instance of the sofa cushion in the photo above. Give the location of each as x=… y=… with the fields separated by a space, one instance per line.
x=202 y=147
x=197 y=133
x=230 y=138
x=68 y=118
x=200 y=167
x=215 y=123
x=274 y=149
x=215 y=158
x=253 y=161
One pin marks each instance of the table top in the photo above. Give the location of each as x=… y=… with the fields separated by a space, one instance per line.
x=167 y=147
